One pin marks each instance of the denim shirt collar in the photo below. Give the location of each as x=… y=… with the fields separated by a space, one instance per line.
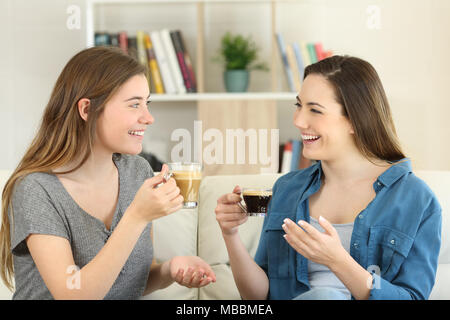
x=387 y=178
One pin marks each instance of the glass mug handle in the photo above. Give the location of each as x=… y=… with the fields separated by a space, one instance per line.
x=166 y=178
x=242 y=206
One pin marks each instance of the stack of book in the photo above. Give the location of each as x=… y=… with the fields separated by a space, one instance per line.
x=296 y=57
x=291 y=157
x=164 y=55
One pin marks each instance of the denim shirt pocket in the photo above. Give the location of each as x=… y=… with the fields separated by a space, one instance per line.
x=279 y=253
x=387 y=250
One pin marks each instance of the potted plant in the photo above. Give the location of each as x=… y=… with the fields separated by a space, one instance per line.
x=239 y=55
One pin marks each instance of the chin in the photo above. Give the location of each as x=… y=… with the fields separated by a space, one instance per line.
x=131 y=151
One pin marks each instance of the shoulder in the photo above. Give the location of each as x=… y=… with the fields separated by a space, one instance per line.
x=417 y=190
x=34 y=183
x=134 y=165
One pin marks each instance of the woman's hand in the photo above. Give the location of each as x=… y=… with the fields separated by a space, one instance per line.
x=152 y=202
x=228 y=214
x=191 y=272
x=323 y=248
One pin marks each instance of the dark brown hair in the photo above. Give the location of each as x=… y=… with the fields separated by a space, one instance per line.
x=359 y=91
x=94 y=73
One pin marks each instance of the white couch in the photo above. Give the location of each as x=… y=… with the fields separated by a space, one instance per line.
x=196 y=232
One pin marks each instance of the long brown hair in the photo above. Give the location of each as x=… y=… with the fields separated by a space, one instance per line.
x=359 y=91
x=94 y=73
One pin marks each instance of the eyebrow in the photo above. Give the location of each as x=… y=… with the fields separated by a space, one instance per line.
x=311 y=103
x=136 y=98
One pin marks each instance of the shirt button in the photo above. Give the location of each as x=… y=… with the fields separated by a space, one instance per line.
x=361 y=216
x=355 y=245
x=392 y=242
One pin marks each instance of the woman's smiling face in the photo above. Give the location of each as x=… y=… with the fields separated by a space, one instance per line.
x=121 y=126
x=326 y=132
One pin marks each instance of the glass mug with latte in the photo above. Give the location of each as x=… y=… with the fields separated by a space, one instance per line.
x=188 y=177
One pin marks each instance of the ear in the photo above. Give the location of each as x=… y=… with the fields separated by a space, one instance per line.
x=83 y=108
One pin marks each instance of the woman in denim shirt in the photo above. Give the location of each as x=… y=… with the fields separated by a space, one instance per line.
x=361 y=181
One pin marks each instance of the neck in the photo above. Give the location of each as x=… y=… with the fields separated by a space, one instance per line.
x=352 y=167
x=98 y=167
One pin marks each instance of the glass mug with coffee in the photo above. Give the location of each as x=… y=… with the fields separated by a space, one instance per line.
x=256 y=201
x=188 y=177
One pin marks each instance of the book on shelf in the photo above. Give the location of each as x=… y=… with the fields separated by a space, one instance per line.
x=292 y=61
x=296 y=152
x=173 y=61
x=296 y=57
x=312 y=52
x=155 y=75
x=287 y=69
x=163 y=63
x=163 y=53
x=292 y=157
x=305 y=54
x=184 y=61
x=319 y=51
x=287 y=158
x=123 y=41
x=142 y=54
x=299 y=59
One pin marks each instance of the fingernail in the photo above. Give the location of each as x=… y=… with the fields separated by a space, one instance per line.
x=286 y=221
x=301 y=222
x=321 y=218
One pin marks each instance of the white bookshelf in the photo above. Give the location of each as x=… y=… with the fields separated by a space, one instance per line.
x=92 y=5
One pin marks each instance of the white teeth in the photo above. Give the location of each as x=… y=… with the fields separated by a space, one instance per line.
x=136 y=133
x=308 y=137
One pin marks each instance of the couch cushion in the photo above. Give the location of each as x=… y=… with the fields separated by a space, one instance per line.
x=441 y=289
x=211 y=246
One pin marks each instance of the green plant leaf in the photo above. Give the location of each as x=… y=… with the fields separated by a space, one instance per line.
x=238 y=52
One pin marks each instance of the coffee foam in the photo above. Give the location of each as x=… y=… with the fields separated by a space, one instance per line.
x=187 y=175
x=259 y=193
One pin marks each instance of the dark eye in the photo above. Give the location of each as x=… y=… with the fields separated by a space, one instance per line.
x=148 y=103
x=315 y=111
x=136 y=105
x=298 y=105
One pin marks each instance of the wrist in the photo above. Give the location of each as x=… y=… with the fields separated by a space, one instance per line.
x=132 y=214
x=166 y=269
x=340 y=261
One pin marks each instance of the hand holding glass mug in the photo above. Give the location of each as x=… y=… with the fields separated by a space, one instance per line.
x=157 y=197
x=229 y=212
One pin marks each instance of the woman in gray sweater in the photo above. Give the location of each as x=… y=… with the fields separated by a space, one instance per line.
x=77 y=211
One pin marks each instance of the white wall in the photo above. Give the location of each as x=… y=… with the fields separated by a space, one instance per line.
x=409 y=51
x=36 y=45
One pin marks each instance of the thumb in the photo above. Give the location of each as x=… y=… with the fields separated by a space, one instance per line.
x=237 y=190
x=164 y=170
x=327 y=226
x=154 y=181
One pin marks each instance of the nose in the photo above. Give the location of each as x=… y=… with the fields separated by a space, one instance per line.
x=300 y=119
x=147 y=117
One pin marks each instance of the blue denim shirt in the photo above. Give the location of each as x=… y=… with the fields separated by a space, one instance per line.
x=397 y=237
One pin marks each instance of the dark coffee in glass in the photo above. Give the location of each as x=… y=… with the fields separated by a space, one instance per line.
x=256 y=201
